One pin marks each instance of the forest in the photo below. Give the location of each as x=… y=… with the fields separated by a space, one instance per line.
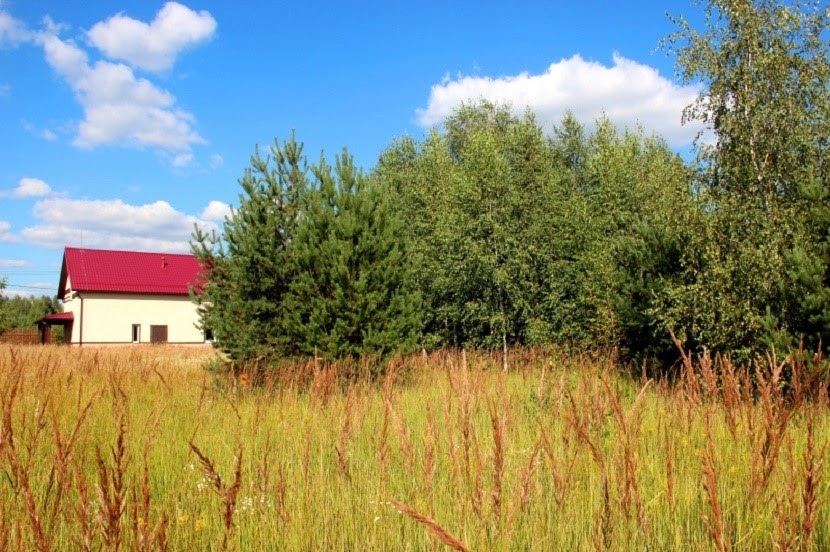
x=492 y=232
x=23 y=312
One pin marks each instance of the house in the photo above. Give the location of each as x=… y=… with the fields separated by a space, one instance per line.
x=120 y=297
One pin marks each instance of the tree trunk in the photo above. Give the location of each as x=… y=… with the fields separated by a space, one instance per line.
x=504 y=351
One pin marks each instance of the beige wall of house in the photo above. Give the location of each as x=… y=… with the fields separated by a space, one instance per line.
x=102 y=318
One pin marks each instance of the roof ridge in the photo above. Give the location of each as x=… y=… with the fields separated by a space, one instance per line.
x=127 y=251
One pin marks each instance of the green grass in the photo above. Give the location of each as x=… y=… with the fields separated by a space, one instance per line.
x=559 y=453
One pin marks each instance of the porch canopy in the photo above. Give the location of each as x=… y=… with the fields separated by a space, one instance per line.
x=44 y=325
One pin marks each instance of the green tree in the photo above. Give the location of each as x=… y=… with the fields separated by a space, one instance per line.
x=249 y=267
x=530 y=240
x=309 y=263
x=616 y=238
x=765 y=66
x=23 y=312
x=4 y=319
x=470 y=196
x=353 y=293
x=420 y=178
x=765 y=263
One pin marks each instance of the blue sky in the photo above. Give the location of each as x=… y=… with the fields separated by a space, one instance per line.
x=123 y=124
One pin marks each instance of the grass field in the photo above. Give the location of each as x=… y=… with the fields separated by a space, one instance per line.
x=145 y=449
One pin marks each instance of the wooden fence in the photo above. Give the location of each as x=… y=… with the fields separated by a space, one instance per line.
x=21 y=336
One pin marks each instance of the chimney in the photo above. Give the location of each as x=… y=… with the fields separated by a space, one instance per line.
x=164 y=262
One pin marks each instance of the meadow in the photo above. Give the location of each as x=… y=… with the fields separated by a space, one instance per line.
x=153 y=448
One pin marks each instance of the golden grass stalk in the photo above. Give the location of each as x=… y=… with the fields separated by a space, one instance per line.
x=21 y=475
x=111 y=489
x=778 y=412
x=671 y=471
x=428 y=464
x=561 y=472
x=60 y=459
x=527 y=476
x=405 y=440
x=604 y=524
x=282 y=492
x=498 y=423
x=786 y=507
x=444 y=536
x=714 y=520
x=383 y=438
x=345 y=433
x=84 y=539
x=228 y=493
x=160 y=533
x=4 y=534
x=813 y=460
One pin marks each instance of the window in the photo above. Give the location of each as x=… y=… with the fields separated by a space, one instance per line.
x=208 y=334
x=136 y=333
x=158 y=334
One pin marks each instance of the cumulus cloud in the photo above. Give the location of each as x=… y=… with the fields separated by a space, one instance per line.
x=112 y=224
x=6 y=234
x=14 y=263
x=183 y=160
x=28 y=188
x=216 y=211
x=628 y=93
x=12 y=31
x=119 y=108
x=153 y=46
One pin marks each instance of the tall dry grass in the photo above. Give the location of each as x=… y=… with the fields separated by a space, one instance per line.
x=143 y=449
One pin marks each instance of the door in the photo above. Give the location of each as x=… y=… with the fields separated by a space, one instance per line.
x=158 y=334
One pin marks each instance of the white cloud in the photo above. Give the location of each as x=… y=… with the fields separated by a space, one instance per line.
x=216 y=161
x=12 y=31
x=216 y=211
x=628 y=93
x=112 y=224
x=44 y=133
x=182 y=160
x=14 y=263
x=119 y=108
x=28 y=188
x=153 y=46
x=6 y=234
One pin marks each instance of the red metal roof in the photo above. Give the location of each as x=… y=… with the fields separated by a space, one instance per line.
x=127 y=272
x=58 y=317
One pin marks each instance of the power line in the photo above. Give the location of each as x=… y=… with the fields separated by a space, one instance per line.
x=47 y=288
x=15 y=270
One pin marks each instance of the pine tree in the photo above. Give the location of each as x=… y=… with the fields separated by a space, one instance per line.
x=353 y=294
x=308 y=264
x=249 y=266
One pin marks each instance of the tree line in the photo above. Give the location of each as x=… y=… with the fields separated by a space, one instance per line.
x=493 y=231
x=23 y=312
